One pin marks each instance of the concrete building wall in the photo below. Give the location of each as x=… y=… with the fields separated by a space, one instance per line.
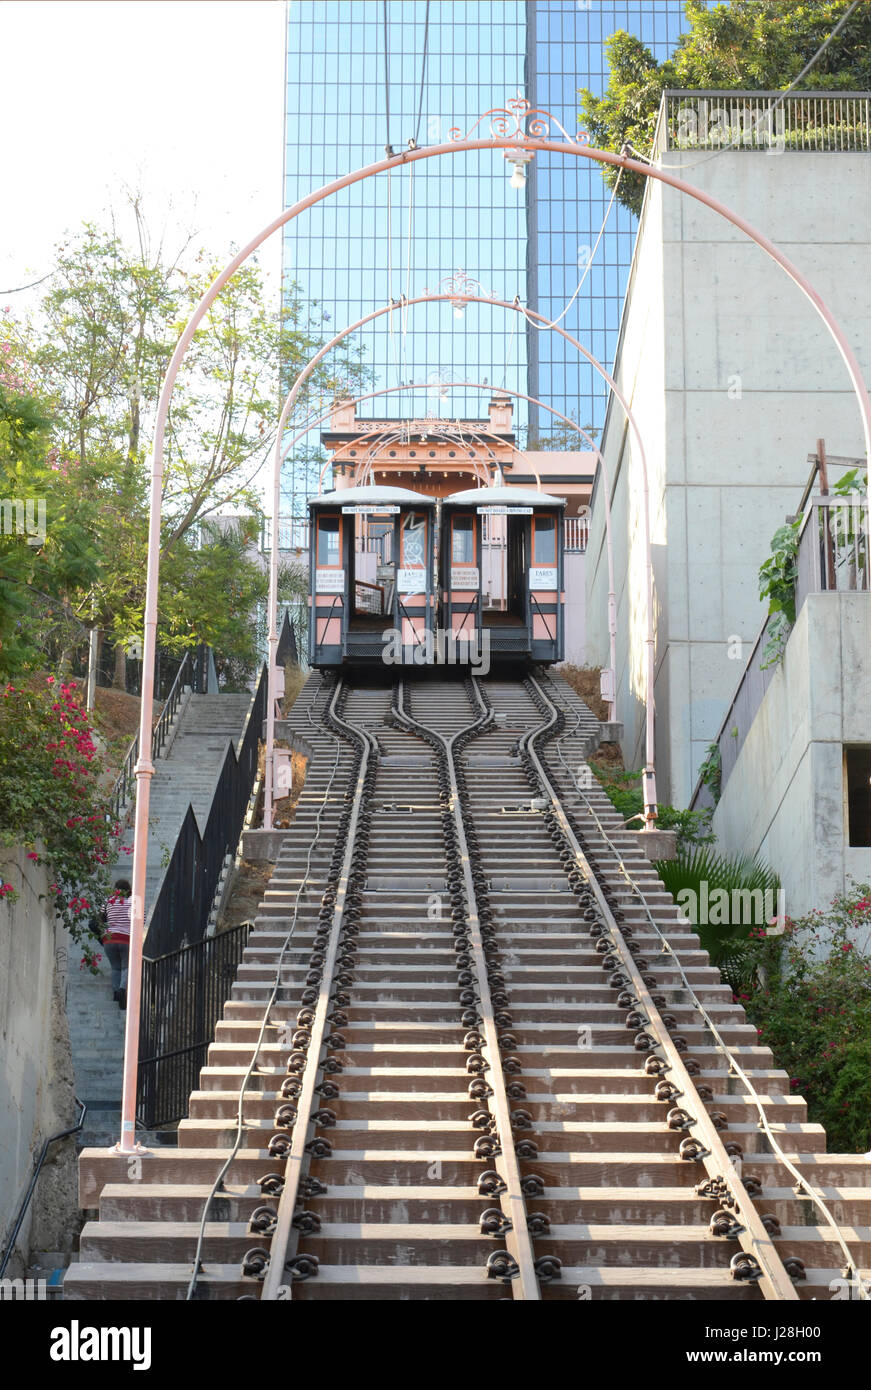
x=733 y=378
x=785 y=799
x=36 y=1076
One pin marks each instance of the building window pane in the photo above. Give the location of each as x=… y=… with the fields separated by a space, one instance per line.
x=463 y=552
x=545 y=540
x=328 y=540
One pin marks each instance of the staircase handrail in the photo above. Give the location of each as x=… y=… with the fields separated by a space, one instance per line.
x=125 y=782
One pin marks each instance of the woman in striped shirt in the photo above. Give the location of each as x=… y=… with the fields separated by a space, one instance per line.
x=117 y=938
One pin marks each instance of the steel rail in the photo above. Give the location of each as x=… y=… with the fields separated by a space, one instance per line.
x=512 y=1201
x=276 y=986
x=285 y=1236
x=774 y=1281
x=851 y=1267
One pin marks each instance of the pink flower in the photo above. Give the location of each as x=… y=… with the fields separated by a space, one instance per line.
x=32 y=855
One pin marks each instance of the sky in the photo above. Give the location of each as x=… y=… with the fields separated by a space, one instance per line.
x=181 y=99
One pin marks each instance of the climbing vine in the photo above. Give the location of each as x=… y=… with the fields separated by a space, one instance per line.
x=777 y=577
x=711 y=771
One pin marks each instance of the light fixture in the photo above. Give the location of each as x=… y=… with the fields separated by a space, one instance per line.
x=519 y=158
x=459 y=310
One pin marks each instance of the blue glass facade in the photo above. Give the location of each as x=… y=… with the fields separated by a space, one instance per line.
x=568 y=197
x=404 y=232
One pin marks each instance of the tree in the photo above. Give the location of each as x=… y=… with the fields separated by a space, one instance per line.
x=98 y=350
x=757 y=45
x=46 y=550
x=559 y=435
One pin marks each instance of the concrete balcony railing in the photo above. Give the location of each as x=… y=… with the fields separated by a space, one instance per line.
x=712 y=120
x=832 y=558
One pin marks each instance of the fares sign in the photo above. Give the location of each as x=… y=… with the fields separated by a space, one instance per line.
x=542 y=578
x=412 y=581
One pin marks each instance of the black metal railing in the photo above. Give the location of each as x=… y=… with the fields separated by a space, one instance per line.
x=287 y=649
x=125 y=783
x=183 y=993
x=160 y=731
x=34 y=1178
x=181 y=909
x=191 y=671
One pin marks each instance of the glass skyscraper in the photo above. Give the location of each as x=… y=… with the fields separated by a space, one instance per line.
x=356 y=82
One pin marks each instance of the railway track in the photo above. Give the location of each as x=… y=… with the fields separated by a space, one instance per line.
x=473 y=1052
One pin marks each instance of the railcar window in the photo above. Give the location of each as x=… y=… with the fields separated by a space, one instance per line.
x=414 y=540
x=329 y=528
x=463 y=547
x=545 y=541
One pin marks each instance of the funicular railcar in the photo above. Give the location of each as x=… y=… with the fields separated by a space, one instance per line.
x=501 y=572
x=371 y=592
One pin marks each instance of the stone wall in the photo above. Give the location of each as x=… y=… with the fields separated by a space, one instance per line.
x=36 y=1073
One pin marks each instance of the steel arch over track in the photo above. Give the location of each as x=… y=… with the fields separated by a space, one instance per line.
x=518 y=140
x=281 y=451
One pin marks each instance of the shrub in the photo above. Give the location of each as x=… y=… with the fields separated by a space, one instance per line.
x=715 y=893
x=49 y=796
x=814 y=1012
x=624 y=792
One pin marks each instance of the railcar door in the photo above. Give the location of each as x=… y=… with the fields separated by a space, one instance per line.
x=413 y=589
x=545 y=587
x=463 y=575
x=328 y=591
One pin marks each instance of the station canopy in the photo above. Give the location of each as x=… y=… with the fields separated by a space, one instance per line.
x=502 y=497
x=373 y=497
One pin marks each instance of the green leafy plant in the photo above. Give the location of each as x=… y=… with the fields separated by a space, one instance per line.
x=850 y=482
x=750 y=45
x=711 y=771
x=625 y=793
x=49 y=796
x=814 y=1012
x=728 y=900
x=78 y=382
x=777 y=577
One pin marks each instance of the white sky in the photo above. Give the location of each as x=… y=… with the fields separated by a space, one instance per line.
x=182 y=99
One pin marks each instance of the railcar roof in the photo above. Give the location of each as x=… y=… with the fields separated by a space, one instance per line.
x=374 y=497
x=502 y=497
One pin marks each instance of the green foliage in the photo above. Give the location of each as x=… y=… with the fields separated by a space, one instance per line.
x=93 y=358
x=755 y=45
x=49 y=795
x=625 y=793
x=728 y=901
x=849 y=482
x=777 y=577
x=627 y=112
x=40 y=570
x=711 y=771
x=815 y=1015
